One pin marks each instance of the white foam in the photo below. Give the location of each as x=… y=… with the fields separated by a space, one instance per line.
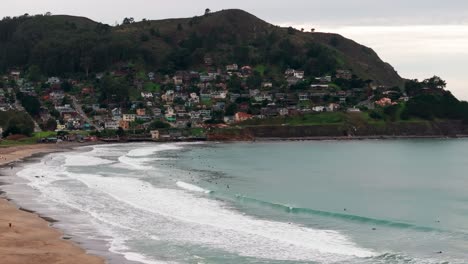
x=84 y=160
x=134 y=163
x=131 y=208
x=119 y=247
x=229 y=230
x=147 y=151
x=191 y=187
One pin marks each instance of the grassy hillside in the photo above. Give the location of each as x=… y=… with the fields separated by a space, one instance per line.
x=61 y=45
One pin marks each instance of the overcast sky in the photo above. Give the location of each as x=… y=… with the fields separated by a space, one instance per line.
x=419 y=38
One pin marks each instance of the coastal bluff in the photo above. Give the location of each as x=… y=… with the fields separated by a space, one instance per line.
x=342 y=131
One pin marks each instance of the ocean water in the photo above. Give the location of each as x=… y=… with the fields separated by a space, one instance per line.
x=403 y=201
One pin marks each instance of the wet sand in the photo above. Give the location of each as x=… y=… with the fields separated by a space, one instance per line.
x=30 y=239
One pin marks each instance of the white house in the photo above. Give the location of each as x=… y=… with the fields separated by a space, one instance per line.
x=53 y=80
x=299 y=74
x=332 y=107
x=319 y=108
x=146 y=95
x=319 y=86
x=232 y=67
x=129 y=117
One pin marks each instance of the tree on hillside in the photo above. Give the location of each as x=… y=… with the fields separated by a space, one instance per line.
x=50 y=125
x=207 y=11
x=435 y=83
x=19 y=124
x=128 y=21
x=30 y=103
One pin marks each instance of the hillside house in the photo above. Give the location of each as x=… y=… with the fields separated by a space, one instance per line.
x=232 y=67
x=125 y=125
x=151 y=76
x=53 y=80
x=246 y=71
x=324 y=79
x=178 y=80
x=141 y=112
x=299 y=74
x=319 y=108
x=241 y=116
x=168 y=96
x=332 y=107
x=87 y=91
x=319 y=86
x=15 y=75
x=129 y=117
x=146 y=95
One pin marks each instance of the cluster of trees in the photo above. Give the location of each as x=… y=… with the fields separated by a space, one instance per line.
x=432 y=106
x=14 y=123
x=30 y=103
x=58 y=46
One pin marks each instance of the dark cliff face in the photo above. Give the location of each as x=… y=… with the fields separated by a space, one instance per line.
x=417 y=129
x=63 y=44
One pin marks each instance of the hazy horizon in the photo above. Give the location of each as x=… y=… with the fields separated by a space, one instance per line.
x=418 y=38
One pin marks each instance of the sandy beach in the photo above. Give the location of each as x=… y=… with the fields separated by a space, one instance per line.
x=30 y=239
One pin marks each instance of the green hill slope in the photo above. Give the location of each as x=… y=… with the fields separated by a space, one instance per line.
x=62 y=45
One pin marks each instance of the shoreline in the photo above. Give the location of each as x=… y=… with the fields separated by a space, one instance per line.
x=32 y=238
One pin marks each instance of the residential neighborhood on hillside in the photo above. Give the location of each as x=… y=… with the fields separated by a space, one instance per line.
x=138 y=101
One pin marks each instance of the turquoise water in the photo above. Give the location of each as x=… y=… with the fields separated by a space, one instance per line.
x=402 y=201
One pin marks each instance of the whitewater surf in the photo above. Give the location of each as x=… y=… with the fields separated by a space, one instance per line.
x=184 y=203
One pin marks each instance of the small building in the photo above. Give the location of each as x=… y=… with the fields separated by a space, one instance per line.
x=353 y=110
x=232 y=67
x=319 y=86
x=332 y=107
x=53 y=80
x=111 y=125
x=324 y=79
x=178 y=80
x=15 y=75
x=87 y=91
x=241 y=116
x=129 y=117
x=299 y=74
x=125 y=125
x=383 y=102
x=141 y=112
x=155 y=134
x=319 y=108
